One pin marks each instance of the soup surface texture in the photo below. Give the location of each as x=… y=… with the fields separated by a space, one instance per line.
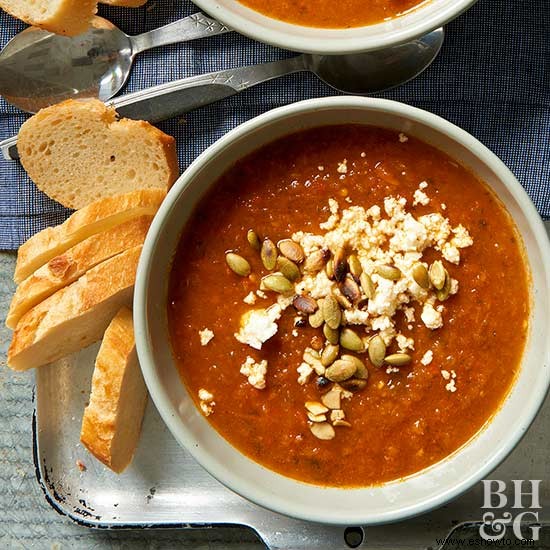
x=370 y=211
x=324 y=14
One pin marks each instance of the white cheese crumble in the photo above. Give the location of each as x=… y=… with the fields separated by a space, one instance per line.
x=427 y=358
x=206 y=402
x=205 y=335
x=342 y=167
x=258 y=326
x=404 y=343
x=420 y=198
x=403 y=138
x=250 y=298
x=255 y=372
x=304 y=371
x=431 y=317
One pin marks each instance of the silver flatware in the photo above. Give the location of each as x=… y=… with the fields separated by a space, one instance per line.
x=38 y=68
x=358 y=74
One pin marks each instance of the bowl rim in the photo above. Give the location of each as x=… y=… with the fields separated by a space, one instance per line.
x=334 y=41
x=158 y=393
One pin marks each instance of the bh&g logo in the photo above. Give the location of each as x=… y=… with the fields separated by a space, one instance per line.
x=493 y=527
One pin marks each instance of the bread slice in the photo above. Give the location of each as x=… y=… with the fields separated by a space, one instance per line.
x=68 y=17
x=75 y=316
x=125 y=3
x=78 y=152
x=94 y=218
x=69 y=266
x=112 y=420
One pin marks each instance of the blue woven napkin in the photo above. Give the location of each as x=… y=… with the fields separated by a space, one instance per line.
x=492 y=79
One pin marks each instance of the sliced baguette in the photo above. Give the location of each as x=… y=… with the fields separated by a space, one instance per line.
x=95 y=218
x=112 y=420
x=125 y=3
x=68 y=17
x=78 y=152
x=75 y=316
x=72 y=264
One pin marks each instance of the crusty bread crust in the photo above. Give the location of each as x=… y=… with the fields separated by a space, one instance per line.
x=72 y=264
x=94 y=218
x=78 y=152
x=67 y=17
x=112 y=420
x=75 y=316
x=125 y=3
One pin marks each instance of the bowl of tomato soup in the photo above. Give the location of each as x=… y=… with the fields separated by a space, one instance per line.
x=320 y=26
x=341 y=310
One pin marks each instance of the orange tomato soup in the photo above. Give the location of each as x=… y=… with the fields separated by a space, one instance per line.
x=403 y=418
x=325 y=14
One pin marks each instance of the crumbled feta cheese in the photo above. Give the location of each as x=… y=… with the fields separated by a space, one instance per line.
x=451 y=386
x=356 y=317
x=250 y=298
x=446 y=374
x=391 y=370
x=427 y=358
x=333 y=206
x=320 y=168
x=420 y=198
x=451 y=253
x=261 y=294
x=342 y=167
x=403 y=138
x=423 y=185
x=404 y=343
x=304 y=370
x=206 y=402
x=205 y=335
x=363 y=154
x=205 y=395
x=258 y=326
x=255 y=372
x=409 y=314
x=431 y=317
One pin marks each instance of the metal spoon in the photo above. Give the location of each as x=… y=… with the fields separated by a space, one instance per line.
x=359 y=74
x=38 y=68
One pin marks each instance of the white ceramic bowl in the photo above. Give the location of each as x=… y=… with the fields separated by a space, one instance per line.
x=420 y=21
x=392 y=501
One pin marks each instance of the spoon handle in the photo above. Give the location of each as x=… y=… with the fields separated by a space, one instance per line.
x=192 y=27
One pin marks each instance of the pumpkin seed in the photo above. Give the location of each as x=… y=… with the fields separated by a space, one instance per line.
x=340 y=370
x=317 y=417
x=331 y=312
x=316 y=260
x=316 y=319
x=253 y=240
x=389 y=272
x=349 y=339
x=437 y=274
x=305 y=304
x=329 y=268
x=332 y=399
x=329 y=355
x=331 y=334
x=354 y=384
x=341 y=423
x=444 y=293
x=238 y=264
x=337 y=414
x=350 y=289
x=367 y=285
x=268 y=254
x=314 y=407
x=340 y=264
x=355 y=266
x=361 y=370
x=316 y=343
x=420 y=275
x=343 y=301
x=293 y=251
x=288 y=268
x=377 y=350
x=276 y=282
x=311 y=357
x=322 y=430
x=398 y=359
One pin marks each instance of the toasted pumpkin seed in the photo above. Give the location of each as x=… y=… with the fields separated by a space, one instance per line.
x=337 y=414
x=322 y=430
x=316 y=260
x=367 y=285
x=340 y=264
x=355 y=266
x=293 y=251
x=350 y=289
x=389 y=272
x=238 y=264
x=331 y=312
x=331 y=334
x=311 y=356
x=341 y=423
x=444 y=293
x=340 y=370
x=253 y=240
x=420 y=275
x=342 y=300
x=354 y=384
x=332 y=399
x=317 y=417
x=268 y=254
x=314 y=407
x=349 y=339
x=377 y=350
x=437 y=274
x=316 y=319
x=398 y=359
x=329 y=268
x=330 y=354
x=316 y=343
x=288 y=268
x=276 y=282
x=305 y=304
x=361 y=369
